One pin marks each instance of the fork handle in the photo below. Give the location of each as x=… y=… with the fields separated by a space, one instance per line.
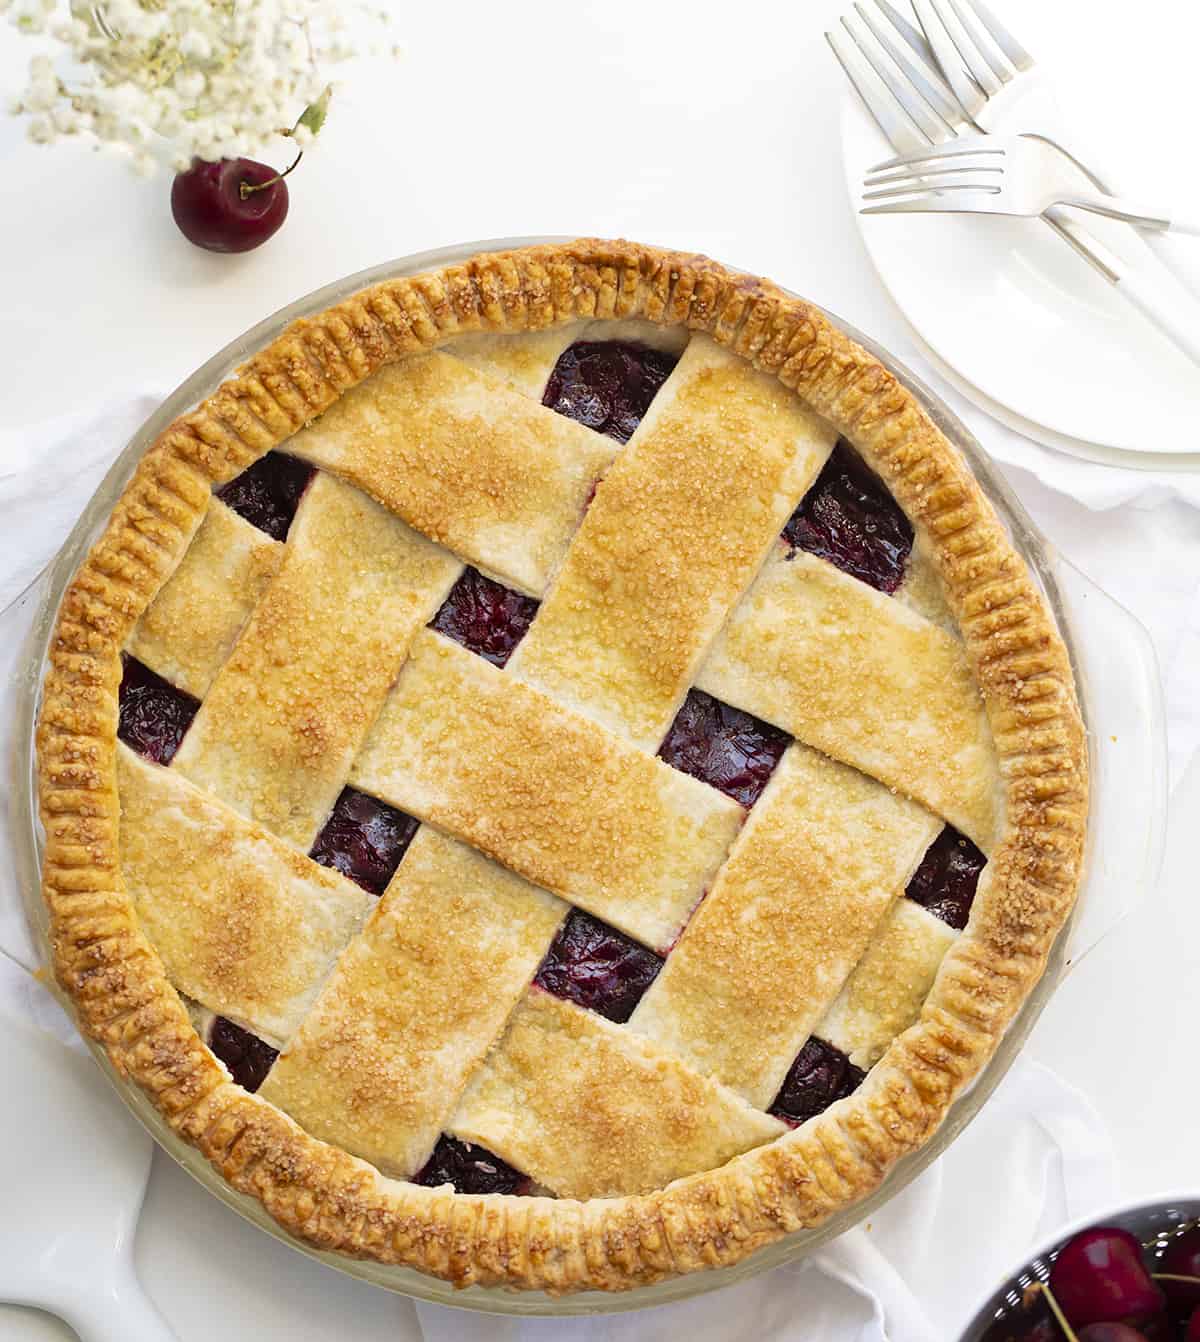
x=1171 y=308
x=1114 y=207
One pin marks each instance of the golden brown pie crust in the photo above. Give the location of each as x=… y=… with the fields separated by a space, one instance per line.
x=335 y=1201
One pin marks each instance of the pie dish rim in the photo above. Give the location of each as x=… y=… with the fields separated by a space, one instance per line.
x=698 y=1238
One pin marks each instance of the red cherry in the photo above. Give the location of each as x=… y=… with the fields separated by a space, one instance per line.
x=1110 y=1332
x=1181 y=1258
x=1193 y=1327
x=212 y=210
x=1099 y=1277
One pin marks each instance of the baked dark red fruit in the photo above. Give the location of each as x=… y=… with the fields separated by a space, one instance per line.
x=470 y=1169
x=723 y=746
x=598 y=967
x=154 y=714
x=849 y=518
x=485 y=616
x=607 y=385
x=268 y=493
x=248 y=1057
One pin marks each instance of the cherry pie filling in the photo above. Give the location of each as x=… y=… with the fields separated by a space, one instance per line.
x=268 y=493
x=153 y=716
x=597 y=967
x=470 y=1168
x=247 y=1057
x=820 y=1075
x=485 y=616
x=607 y=385
x=848 y=518
x=364 y=839
x=947 y=878
x=724 y=747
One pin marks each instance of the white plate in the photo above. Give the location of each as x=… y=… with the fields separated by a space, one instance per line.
x=1025 y=325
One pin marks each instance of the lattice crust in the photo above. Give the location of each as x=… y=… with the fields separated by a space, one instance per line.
x=526 y=361
x=287 y=713
x=408 y=1017
x=189 y=630
x=679 y=525
x=841 y=666
x=884 y=993
x=314 y=671
x=591 y=1110
x=820 y=862
x=243 y=923
x=465 y=460
x=547 y=792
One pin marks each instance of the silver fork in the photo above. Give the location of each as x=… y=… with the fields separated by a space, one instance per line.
x=1002 y=89
x=894 y=70
x=998 y=174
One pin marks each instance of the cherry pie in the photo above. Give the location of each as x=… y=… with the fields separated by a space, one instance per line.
x=554 y=775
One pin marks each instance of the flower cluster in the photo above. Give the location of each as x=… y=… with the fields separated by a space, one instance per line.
x=190 y=79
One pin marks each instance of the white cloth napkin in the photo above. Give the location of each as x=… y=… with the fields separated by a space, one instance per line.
x=1036 y=1153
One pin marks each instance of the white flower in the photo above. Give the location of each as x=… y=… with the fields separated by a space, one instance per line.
x=213 y=79
x=190 y=84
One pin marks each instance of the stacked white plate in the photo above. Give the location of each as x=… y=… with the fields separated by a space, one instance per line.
x=1011 y=317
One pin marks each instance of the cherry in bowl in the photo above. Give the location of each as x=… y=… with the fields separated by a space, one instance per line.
x=1178 y=1271
x=1100 y=1276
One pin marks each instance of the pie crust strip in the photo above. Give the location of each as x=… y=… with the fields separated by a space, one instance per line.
x=190 y=628
x=825 y=854
x=414 y=1004
x=465 y=460
x=285 y=716
x=243 y=923
x=864 y=679
x=678 y=527
x=591 y=1110
x=546 y=792
x=883 y=996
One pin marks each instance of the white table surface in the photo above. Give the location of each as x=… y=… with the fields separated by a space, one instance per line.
x=701 y=126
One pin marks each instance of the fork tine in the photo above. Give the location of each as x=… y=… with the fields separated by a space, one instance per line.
x=908 y=31
x=899 y=130
x=971 y=146
x=966 y=90
x=999 y=34
x=976 y=61
x=964 y=204
x=919 y=176
x=973 y=26
x=919 y=112
x=920 y=191
x=921 y=73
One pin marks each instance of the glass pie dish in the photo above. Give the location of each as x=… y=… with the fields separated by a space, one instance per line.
x=1118 y=688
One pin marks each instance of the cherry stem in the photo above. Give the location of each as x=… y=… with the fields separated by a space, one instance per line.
x=247 y=189
x=1175 y=1276
x=1071 y=1334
